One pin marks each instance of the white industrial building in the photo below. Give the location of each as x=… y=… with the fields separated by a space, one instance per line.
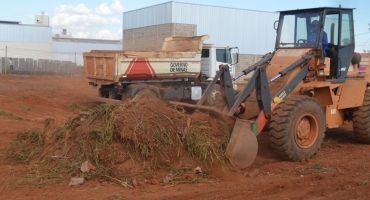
x=250 y=30
x=145 y=29
x=21 y=40
x=34 y=48
x=71 y=49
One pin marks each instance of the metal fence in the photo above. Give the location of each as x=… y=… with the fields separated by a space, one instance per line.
x=39 y=67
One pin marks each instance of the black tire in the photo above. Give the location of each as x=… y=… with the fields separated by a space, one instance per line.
x=361 y=120
x=216 y=99
x=102 y=93
x=146 y=94
x=297 y=128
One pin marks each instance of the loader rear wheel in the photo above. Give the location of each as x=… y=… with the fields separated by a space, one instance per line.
x=297 y=128
x=361 y=120
x=146 y=94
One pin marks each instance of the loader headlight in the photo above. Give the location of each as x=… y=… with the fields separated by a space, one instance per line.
x=321 y=72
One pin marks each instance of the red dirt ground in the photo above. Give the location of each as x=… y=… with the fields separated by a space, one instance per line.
x=341 y=169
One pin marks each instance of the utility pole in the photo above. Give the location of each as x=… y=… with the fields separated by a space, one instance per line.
x=75 y=65
x=6 y=58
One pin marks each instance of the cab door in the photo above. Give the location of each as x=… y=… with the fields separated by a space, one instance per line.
x=346 y=44
x=339 y=26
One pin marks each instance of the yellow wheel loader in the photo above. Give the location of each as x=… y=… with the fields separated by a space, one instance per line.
x=310 y=82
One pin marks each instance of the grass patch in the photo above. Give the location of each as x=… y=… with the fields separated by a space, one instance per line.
x=315 y=169
x=117 y=197
x=60 y=132
x=74 y=106
x=330 y=141
x=25 y=108
x=202 y=147
x=25 y=147
x=9 y=115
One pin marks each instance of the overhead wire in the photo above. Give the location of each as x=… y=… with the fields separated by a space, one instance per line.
x=362 y=34
x=364 y=43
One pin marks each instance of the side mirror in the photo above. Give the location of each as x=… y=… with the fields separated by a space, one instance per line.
x=236 y=51
x=276 y=24
x=236 y=58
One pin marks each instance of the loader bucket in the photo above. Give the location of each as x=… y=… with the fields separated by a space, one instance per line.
x=243 y=146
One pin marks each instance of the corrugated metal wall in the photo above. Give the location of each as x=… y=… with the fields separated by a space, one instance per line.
x=149 y=16
x=252 y=31
x=25 y=33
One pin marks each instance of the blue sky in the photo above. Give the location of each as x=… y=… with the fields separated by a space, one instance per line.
x=103 y=18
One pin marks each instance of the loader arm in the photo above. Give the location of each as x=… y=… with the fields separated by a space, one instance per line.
x=261 y=83
x=243 y=146
x=267 y=111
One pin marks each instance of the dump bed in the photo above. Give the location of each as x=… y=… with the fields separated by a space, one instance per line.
x=180 y=57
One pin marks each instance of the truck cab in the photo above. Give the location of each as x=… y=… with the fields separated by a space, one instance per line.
x=215 y=55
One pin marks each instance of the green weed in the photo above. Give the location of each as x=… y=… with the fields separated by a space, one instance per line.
x=201 y=146
x=314 y=169
x=25 y=147
x=25 y=108
x=74 y=106
x=117 y=197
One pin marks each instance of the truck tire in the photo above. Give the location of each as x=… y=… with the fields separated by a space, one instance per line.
x=146 y=94
x=361 y=120
x=102 y=93
x=297 y=128
x=216 y=99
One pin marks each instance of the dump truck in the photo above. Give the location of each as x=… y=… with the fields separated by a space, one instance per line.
x=180 y=71
x=299 y=90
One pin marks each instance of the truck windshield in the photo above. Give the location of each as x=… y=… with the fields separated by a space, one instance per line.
x=223 y=55
x=294 y=29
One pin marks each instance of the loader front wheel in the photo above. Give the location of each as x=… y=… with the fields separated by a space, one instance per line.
x=297 y=128
x=361 y=120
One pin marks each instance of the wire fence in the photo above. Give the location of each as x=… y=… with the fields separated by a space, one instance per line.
x=31 y=66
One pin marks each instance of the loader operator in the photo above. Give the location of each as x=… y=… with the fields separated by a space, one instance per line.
x=312 y=37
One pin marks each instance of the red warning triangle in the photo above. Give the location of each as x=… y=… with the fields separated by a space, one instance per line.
x=140 y=68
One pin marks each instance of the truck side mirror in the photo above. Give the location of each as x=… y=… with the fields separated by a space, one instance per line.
x=276 y=25
x=236 y=58
x=236 y=51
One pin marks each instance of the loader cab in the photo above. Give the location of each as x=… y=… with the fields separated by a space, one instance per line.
x=333 y=36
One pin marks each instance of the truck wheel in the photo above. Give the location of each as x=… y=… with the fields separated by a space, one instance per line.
x=297 y=128
x=216 y=99
x=102 y=93
x=146 y=94
x=361 y=120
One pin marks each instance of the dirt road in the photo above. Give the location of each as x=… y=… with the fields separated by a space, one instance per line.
x=341 y=170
